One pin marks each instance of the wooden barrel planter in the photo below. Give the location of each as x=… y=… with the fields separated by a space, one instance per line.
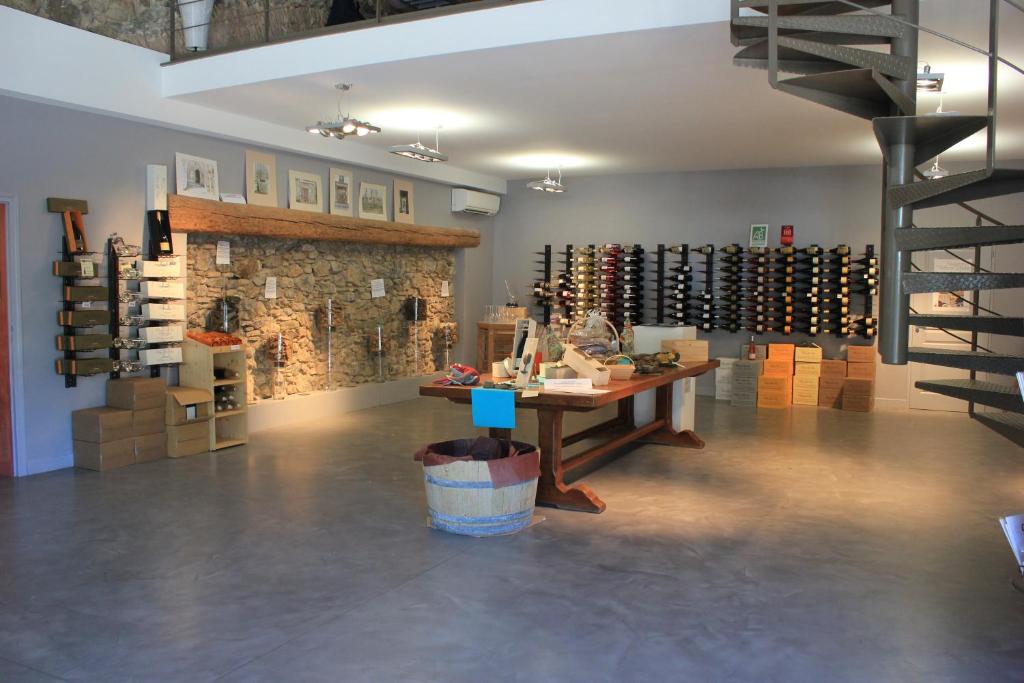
x=480 y=487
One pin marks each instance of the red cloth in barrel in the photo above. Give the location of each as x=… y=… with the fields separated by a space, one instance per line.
x=508 y=462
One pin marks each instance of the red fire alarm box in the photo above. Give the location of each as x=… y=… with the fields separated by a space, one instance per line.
x=786 y=239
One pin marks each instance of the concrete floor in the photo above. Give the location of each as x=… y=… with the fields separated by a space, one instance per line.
x=803 y=545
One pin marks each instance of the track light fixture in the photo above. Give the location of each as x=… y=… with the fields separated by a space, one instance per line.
x=421 y=152
x=548 y=184
x=343 y=125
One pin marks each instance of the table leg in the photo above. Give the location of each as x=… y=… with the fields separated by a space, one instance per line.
x=500 y=433
x=666 y=436
x=481 y=346
x=552 y=491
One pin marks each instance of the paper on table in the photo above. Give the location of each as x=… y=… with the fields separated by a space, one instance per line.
x=531 y=393
x=580 y=385
x=1013 y=527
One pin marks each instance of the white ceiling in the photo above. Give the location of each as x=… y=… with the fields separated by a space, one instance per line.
x=667 y=99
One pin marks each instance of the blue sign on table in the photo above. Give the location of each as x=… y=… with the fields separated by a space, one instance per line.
x=494 y=408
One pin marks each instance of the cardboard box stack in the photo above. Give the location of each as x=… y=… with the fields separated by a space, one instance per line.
x=188 y=412
x=745 y=374
x=775 y=385
x=859 y=387
x=102 y=438
x=806 y=371
x=830 y=384
x=723 y=379
x=144 y=397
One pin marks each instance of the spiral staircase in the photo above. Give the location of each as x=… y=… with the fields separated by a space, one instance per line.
x=826 y=47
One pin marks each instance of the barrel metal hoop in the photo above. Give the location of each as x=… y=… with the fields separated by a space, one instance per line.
x=515 y=516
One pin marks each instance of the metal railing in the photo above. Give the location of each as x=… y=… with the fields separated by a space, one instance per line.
x=245 y=24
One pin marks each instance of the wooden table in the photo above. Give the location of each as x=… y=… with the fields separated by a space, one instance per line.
x=552 y=491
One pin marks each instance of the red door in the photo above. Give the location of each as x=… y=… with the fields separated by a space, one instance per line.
x=6 y=448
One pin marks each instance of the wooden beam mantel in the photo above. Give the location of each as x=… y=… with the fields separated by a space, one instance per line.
x=189 y=214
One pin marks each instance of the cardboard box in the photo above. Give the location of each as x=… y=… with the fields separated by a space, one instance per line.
x=136 y=393
x=774 y=391
x=781 y=352
x=147 y=421
x=860 y=370
x=104 y=456
x=805 y=390
x=162 y=289
x=187 y=404
x=830 y=392
x=748 y=368
x=689 y=350
x=181 y=449
x=774 y=367
x=160 y=355
x=858 y=387
x=188 y=439
x=833 y=368
x=166 y=266
x=807 y=370
x=162 y=334
x=101 y=425
x=150 y=447
x=163 y=311
x=860 y=354
x=807 y=354
x=859 y=404
x=760 y=350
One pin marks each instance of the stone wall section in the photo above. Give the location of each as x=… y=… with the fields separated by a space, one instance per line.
x=307 y=275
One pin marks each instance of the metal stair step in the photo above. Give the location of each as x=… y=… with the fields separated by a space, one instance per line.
x=861 y=92
x=925 y=239
x=903 y=68
x=920 y=283
x=1009 y=425
x=990 y=324
x=790 y=61
x=931 y=135
x=861 y=24
x=998 y=363
x=957 y=188
x=1002 y=396
x=791 y=7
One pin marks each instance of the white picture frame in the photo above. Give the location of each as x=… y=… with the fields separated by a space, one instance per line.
x=405 y=210
x=260 y=178
x=944 y=302
x=373 y=201
x=196 y=177
x=341 y=192
x=305 y=191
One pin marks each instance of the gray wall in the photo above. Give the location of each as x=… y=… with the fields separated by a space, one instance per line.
x=826 y=205
x=50 y=151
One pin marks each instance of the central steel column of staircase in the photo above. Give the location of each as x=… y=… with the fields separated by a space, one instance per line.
x=816 y=39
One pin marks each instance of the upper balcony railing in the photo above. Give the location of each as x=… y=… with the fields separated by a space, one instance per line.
x=200 y=28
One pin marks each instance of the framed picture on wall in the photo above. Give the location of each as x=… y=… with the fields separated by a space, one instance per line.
x=260 y=178
x=340 y=192
x=196 y=176
x=951 y=303
x=373 y=201
x=759 y=235
x=404 y=212
x=305 y=191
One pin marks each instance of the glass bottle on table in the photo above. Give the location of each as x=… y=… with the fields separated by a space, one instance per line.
x=628 y=338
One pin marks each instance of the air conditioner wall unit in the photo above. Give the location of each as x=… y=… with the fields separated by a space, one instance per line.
x=470 y=201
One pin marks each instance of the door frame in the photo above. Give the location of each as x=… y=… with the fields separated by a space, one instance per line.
x=17 y=378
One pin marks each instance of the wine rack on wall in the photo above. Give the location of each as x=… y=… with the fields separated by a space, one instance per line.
x=811 y=290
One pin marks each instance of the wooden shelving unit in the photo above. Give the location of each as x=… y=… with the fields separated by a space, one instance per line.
x=230 y=427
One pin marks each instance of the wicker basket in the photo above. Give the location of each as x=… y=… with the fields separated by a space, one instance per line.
x=620 y=371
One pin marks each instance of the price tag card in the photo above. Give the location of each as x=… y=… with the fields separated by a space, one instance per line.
x=376 y=288
x=270 y=290
x=223 y=253
x=88 y=269
x=445 y=290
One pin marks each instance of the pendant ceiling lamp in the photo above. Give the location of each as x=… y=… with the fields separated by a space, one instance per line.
x=548 y=184
x=928 y=81
x=343 y=124
x=421 y=152
x=936 y=171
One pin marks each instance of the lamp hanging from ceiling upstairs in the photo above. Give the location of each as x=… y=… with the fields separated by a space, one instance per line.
x=928 y=81
x=548 y=184
x=421 y=152
x=343 y=124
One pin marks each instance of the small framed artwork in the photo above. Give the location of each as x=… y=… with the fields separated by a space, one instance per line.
x=373 y=201
x=341 y=192
x=404 y=212
x=260 y=178
x=196 y=176
x=759 y=235
x=305 y=191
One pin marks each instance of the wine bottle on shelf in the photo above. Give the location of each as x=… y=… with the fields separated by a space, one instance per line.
x=707 y=249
